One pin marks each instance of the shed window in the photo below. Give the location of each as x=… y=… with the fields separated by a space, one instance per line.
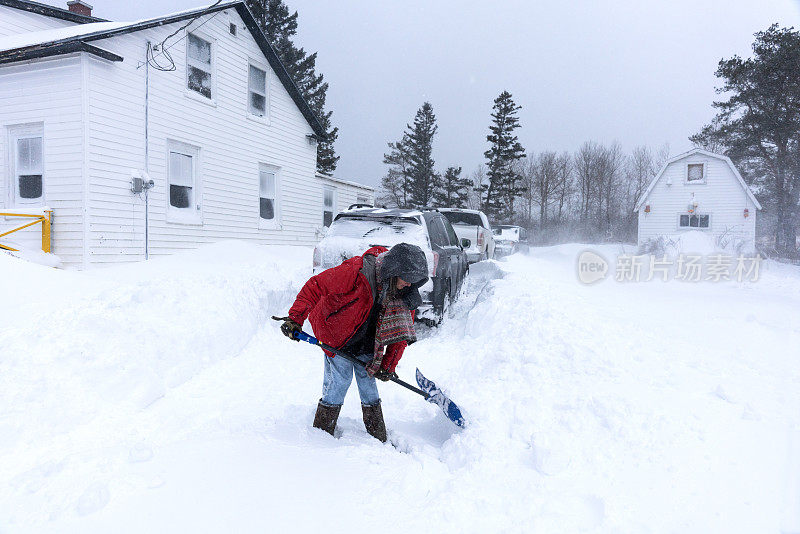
x=328 y=202
x=27 y=164
x=694 y=221
x=267 y=194
x=257 y=91
x=695 y=172
x=198 y=62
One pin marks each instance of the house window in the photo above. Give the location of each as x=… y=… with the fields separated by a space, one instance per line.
x=267 y=195
x=27 y=162
x=696 y=220
x=257 y=89
x=328 y=202
x=182 y=187
x=695 y=173
x=198 y=62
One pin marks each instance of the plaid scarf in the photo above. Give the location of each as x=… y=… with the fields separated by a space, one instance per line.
x=394 y=323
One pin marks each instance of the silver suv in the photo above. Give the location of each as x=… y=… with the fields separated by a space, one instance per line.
x=356 y=230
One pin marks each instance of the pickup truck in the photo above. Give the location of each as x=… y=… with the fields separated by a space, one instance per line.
x=510 y=239
x=472 y=225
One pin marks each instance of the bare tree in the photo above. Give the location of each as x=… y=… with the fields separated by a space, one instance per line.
x=639 y=171
x=525 y=170
x=548 y=177
x=566 y=184
x=479 y=180
x=640 y=168
x=661 y=156
x=584 y=163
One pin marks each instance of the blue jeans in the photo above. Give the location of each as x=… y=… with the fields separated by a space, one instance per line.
x=338 y=376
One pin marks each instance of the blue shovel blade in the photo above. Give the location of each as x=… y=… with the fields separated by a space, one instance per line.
x=438 y=398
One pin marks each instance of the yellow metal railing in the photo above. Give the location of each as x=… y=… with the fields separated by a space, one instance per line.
x=46 y=220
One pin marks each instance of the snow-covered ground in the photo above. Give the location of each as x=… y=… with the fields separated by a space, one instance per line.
x=159 y=397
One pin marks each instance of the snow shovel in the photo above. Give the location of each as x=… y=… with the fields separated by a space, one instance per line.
x=429 y=390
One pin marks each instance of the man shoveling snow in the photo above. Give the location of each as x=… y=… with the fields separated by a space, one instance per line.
x=365 y=308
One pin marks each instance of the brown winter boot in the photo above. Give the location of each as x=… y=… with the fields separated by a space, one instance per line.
x=326 y=417
x=373 y=420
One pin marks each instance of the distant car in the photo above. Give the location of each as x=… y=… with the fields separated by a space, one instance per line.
x=356 y=230
x=510 y=239
x=472 y=225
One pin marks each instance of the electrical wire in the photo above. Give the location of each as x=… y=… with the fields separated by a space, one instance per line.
x=161 y=49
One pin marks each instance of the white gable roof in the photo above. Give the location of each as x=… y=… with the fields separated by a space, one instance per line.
x=692 y=152
x=21 y=40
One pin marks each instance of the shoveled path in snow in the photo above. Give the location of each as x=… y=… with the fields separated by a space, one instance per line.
x=619 y=407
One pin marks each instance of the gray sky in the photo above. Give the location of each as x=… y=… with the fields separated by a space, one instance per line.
x=634 y=71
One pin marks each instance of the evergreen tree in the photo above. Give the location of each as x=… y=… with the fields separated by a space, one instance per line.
x=453 y=190
x=759 y=126
x=395 y=182
x=280 y=26
x=504 y=182
x=423 y=179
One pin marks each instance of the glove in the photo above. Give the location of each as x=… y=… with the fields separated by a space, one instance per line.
x=393 y=354
x=385 y=375
x=289 y=328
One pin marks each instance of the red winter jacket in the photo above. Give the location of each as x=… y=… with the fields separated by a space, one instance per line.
x=336 y=302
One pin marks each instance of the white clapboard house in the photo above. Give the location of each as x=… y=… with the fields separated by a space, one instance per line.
x=700 y=191
x=197 y=101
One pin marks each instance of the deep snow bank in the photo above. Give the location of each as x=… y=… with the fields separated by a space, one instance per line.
x=650 y=407
x=84 y=352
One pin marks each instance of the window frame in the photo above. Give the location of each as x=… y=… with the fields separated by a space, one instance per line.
x=192 y=215
x=15 y=133
x=191 y=93
x=275 y=222
x=690 y=215
x=450 y=232
x=265 y=69
x=437 y=232
x=686 y=180
x=326 y=188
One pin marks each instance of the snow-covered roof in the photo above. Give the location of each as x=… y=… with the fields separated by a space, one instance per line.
x=53 y=35
x=49 y=11
x=46 y=43
x=345 y=182
x=101 y=30
x=693 y=152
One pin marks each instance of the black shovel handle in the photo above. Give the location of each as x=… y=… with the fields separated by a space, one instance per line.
x=302 y=336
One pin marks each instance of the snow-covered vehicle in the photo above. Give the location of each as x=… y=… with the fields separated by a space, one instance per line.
x=510 y=239
x=472 y=225
x=355 y=230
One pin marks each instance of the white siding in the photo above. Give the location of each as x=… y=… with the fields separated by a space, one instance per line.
x=231 y=147
x=48 y=92
x=721 y=196
x=13 y=21
x=346 y=194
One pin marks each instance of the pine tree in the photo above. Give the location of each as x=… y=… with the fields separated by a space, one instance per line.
x=453 y=190
x=280 y=26
x=395 y=183
x=504 y=181
x=758 y=126
x=419 y=145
